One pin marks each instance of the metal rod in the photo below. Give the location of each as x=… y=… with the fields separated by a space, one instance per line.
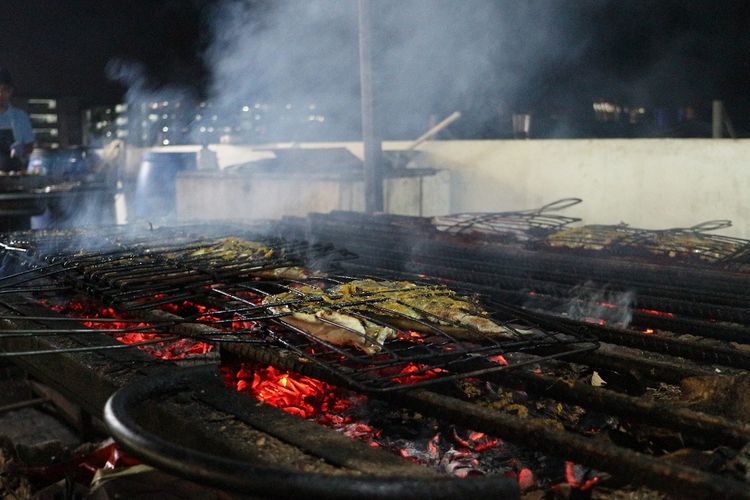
x=23 y=404
x=644 y=469
x=58 y=333
x=434 y=130
x=373 y=164
x=717 y=122
x=35 y=289
x=93 y=320
x=85 y=349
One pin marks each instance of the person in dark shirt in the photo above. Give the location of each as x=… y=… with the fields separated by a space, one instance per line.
x=16 y=134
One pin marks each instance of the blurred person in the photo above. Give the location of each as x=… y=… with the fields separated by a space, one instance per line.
x=16 y=135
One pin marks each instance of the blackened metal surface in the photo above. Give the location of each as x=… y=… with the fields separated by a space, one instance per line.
x=639 y=467
x=139 y=272
x=602 y=454
x=251 y=478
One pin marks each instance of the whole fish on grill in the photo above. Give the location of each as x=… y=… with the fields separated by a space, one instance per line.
x=232 y=248
x=591 y=237
x=438 y=305
x=693 y=244
x=365 y=313
x=239 y=250
x=313 y=311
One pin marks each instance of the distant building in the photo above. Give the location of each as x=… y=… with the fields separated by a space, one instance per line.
x=56 y=120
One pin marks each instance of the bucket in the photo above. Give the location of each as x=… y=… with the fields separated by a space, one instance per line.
x=60 y=164
x=154 y=196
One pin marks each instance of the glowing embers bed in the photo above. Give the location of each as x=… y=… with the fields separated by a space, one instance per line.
x=444 y=446
x=152 y=338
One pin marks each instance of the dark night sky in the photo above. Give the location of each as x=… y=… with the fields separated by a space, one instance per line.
x=668 y=52
x=61 y=47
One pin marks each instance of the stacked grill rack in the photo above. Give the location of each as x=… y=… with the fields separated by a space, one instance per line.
x=693 y=300
x=692 y=246
x=142 y=270
x=513 y=226
x=140 y=274
x=454 y=263
x=414 y=358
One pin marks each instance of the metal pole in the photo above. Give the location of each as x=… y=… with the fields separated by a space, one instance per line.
x=717 y=121
x=373 y=166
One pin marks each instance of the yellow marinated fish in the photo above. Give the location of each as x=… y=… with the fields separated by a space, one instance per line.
x=316 y=317
x=434 y=304
x=339 y=314
x=233 y=248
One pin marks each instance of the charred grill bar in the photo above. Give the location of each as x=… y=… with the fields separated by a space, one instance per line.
x=707 y=300
x=150 y=275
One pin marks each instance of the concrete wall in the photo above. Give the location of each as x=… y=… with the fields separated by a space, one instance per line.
x=652 y=183
x=232 y=196
x=211 y=196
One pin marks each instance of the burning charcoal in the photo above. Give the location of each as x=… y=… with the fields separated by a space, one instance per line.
x=460 y=463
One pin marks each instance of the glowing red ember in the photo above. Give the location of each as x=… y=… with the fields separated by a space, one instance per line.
x=177 y=349
x=415 y=372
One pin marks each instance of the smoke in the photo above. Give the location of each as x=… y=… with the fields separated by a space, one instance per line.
x=593 y=304
x=171 y=106
x=287 y=65
x=288 y=70
x=140 y=89
x=430 y=58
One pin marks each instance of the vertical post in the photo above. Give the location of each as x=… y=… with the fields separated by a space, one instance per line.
x=373 y=170
x=717 y=121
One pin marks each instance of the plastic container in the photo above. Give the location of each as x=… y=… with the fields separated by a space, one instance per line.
x=155 y=188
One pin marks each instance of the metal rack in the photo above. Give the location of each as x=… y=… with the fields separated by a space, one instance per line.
x=522 y=225
x=433 y=350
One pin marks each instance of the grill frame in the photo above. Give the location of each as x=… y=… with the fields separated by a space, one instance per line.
x=419 y=398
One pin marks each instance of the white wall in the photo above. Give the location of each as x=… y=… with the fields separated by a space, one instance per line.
x=651 y=183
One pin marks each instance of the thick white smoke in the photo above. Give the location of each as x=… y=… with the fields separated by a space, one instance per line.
x=431 y=57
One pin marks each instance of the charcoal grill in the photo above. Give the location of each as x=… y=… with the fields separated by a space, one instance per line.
x=136 y=273
x=636 y=357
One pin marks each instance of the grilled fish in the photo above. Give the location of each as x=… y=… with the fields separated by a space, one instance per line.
x=366 y=313
x=236 y=249
x=592 y=237
x=435 y=305
x=233 y=248
x=315 y=313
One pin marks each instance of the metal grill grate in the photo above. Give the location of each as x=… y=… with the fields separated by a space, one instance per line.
x=523 y=225
x=681 y=244
x=140 y=271
x=424 y=348
x=380 y=337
